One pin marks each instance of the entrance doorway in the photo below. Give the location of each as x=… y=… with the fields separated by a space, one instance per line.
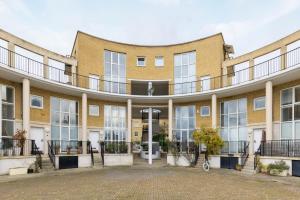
x=145 y=124
x=37 y=134
x=257 y=137
x=94 y=138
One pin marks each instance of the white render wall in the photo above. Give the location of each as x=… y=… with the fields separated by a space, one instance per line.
x=15 y=162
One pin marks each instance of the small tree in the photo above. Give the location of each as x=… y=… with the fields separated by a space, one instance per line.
x=210 y=138
x=20 y=136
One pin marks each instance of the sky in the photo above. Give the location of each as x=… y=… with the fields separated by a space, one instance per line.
x=245 y=24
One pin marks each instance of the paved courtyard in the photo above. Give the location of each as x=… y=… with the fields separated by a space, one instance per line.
x=142 y=182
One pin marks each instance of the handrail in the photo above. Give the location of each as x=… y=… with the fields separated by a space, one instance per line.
x=245 y=154
x=256 y=157
x=92 y=155
x=33 y=67
x=51 y=154
x=37 y=152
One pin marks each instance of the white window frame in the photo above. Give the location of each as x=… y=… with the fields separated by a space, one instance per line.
x=157 y=64
x=137 y=61
x=254 y=105
x=14 y=110
x=96 y=114
x=42 y=101
x=94 y=78
x=203 y=115
x=293 y=113
x=205 y=83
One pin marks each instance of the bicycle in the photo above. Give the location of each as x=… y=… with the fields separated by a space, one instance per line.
x=205 y=165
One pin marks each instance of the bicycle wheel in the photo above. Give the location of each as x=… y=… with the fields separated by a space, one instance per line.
x=206 y=166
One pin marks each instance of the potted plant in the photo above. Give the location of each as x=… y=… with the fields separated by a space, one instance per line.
x=262 y=168
x=20 y=137
x=279 y=168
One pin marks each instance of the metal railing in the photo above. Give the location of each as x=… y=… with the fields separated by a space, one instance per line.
x=284 y=148
x=68 y=146
x=116 y=147
x=256 y=157
x=51 y=153
x=232 y=147
x=16 y=147
x=32 y=67
x=37 y=152
x=245 y=154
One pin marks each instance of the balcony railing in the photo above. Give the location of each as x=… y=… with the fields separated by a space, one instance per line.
x=34 y=68
x=234 y=147
x=116 y=147
x=15 y=147
x=285 y=148
x=57 y=147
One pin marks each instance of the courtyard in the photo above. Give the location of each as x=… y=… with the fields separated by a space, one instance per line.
x=144 y=182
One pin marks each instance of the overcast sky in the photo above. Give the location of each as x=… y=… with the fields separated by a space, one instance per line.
x=246 y=24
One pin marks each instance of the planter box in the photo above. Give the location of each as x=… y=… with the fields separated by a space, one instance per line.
x=276 y=172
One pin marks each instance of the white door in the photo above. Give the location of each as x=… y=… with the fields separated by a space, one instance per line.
x=37 y=134
x=94 y=139
x=257 y=136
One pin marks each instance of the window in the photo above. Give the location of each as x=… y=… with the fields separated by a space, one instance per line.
x=205 y=83
x=114 y=72
x=185 y=73
x=185 y=121
x=94 y=82
x=136 y=134
x=57 y=71
x=36 y=102
x=290 y=113
x=64 y=121
x=115 y=123
x=94 y=110
x=159 y=61
x=241 y=73
x=205 y=111
x=141 y=61
x=7 y=111
x=234 y=123
x=259 y=103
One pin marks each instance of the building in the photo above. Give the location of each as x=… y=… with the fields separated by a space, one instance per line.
x=123 y=93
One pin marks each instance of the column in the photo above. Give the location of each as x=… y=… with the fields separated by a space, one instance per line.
x=251 y=69
x=269 y=109
x=214 y=111
x=26 y=107
x=150 y=136
x=170 y=119
x=129 y=116
x=84 y=123
x=46 y=67
x=224 y=76
x=11 y=55
x=283 y=60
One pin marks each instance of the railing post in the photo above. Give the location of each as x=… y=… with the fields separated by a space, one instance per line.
x=46 y=67
x=283 y=60
x=11 y=55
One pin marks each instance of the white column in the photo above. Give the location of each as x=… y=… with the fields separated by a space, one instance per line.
x=214 y=111
x=150 y=136
x=26 y=107
x=269 y=110
x=84 y=123
x=129 y=116
x=170 y=124
x=46 y=67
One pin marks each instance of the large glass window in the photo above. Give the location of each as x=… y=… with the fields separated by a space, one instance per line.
x=57 y=71
x=64 y=119
x=114 y=72
x=290 y=113
x=115 y=123
x=241 y=73
x=185 y=123
x=185 y=73
x=234 y=122
x=7 y=111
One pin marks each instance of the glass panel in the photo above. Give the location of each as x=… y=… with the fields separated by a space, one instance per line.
x=36 y=101
x=286 y=130
x=224 y=120
x=7 y=128
x=122 y=59
x=114 y=57
x=192 y=58
x=232 y=106
x=243 y=134
x=65 y=133
x=191 y=111
x=55 y=104
x=74 y=133
x=74 y=119
x=297 y=130
x=243 y=105
x=7 y=94
x=242 y=119
x=64 y=105
x=224 y=134
x=297 y=94
x=177 y=59
x=107 y=55
x=287 y=114
x=185 y=59
x=287 y=96
x=191 y=123
x=232 y=120
x=297 y=112
x=55 y=118
x=224 y=108
x=259 y=103
x=7 y=111
x=55 y=133
x=65 y=119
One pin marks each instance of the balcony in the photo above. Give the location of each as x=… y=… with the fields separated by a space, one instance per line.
x=27 y=66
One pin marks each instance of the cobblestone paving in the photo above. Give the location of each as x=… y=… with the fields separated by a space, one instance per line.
x=150 y=183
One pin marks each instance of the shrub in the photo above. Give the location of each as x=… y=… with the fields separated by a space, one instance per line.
x=279 y=165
